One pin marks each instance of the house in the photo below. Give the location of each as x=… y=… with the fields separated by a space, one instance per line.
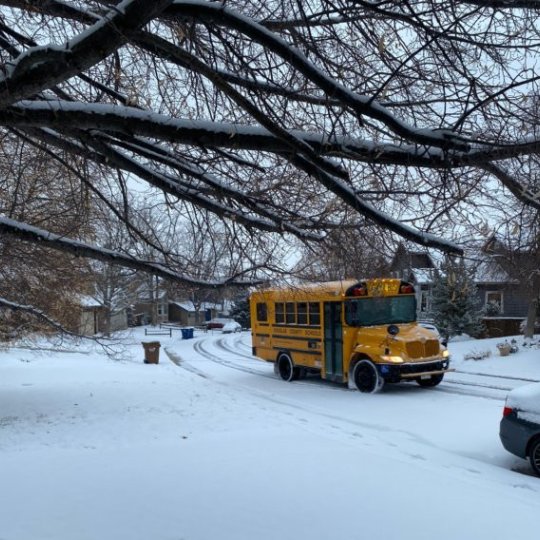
x=150 y=307
x=188 y=314
x=501 y=296
x=89 y=316
x=185 y=313
x=504 y=298
x=418 y=268
x=93 y=317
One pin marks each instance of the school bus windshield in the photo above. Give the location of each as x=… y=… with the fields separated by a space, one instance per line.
x=380 y=310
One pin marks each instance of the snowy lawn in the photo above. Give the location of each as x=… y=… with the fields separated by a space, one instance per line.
x=215 y=446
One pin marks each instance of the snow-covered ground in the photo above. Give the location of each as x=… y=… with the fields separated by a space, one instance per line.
x=209 y=444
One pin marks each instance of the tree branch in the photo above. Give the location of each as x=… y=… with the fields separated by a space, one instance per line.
x=45 y=238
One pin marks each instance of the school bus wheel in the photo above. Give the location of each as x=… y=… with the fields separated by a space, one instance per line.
x=366 y=377
x=286 y=368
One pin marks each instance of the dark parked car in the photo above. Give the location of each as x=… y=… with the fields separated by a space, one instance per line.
x=520 y=424
x=217 y=322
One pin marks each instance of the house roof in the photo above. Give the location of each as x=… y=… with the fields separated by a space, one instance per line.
x=481 y=261
x=407 y=258
x=420 y=260
x=488 y=270
x=89 y=302
x=188 y=305
x=422 y=276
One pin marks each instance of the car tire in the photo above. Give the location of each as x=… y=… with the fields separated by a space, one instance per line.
x=366 y=377
x=434 y=380
x=286 y=369
x=534 y=456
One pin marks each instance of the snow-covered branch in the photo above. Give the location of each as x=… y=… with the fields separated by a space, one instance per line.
x=40 y=68
x=283 y=116
x=132 y=121
x=77 y=248
x=38 y=314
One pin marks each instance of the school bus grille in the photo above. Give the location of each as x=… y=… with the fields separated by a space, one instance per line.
x=417 y=349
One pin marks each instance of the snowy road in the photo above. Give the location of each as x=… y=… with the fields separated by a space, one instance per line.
x=234 y=352
x=215 y=445
x=460 y=416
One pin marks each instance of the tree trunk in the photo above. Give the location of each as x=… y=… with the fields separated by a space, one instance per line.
x=532 y=309
x=155 y=300
x=107 y=320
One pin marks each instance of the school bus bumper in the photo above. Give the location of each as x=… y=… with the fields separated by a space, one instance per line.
x=395 y=372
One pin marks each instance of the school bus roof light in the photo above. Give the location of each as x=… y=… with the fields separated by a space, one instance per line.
x=359 y=291
x=406 y=289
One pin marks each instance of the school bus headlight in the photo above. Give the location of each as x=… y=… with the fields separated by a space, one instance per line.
x=445 y=353
x=392 y=359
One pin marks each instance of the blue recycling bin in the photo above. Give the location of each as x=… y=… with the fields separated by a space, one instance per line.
x=187 y=333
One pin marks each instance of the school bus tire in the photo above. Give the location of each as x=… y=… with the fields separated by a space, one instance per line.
x=286 y=369
x=366 y=377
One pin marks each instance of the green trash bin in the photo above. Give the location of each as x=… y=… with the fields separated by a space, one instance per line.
x=151 y=351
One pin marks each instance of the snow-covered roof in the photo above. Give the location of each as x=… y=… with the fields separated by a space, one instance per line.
x=145 y=295
x=423 y=276
x=188 y=305
x=488 y=270
x=89 y=301
x=185 y=305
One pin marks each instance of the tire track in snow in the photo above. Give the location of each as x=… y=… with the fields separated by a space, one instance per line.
x=354 y=429
x=223 y=344
x=349 y=427
x=506 y=377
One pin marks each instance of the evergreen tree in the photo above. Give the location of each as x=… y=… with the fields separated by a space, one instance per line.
x=455 y=307
x=240 y=312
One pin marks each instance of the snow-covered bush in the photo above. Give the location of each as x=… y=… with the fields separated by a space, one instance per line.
x=477 y=355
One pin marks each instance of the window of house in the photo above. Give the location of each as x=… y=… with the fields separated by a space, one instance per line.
x=494 y=303
x=262 y=311
x=280 y=312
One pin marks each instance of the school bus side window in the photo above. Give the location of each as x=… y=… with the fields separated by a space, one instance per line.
x=301 y=313
x=262 y=312
x=289 y=313
x=280 y=312
x=314 y=314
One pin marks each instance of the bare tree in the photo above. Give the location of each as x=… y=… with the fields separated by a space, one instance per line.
x=40 y=192
x=347 y=252
x=279 y=117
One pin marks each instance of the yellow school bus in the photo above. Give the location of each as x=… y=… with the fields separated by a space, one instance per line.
x=363 y=333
